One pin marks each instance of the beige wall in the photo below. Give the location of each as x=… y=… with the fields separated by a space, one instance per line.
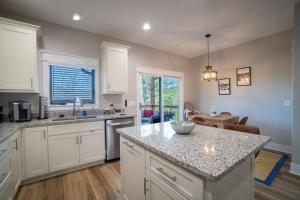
x=76 y=42
x=263 y=101
x=295 y=166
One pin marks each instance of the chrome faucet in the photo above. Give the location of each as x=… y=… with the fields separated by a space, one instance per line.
x=76 y=105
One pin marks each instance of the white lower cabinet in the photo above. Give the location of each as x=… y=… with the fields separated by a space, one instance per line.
x=148 y=176
x=35 y=151
x=68 y=150
x=71 y=150
x=63 y=151
x=132 y=170
x=92 y=146
x=156 y=189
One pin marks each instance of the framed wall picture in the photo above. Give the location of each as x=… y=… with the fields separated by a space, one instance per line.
x=243 y=76
x=224 y=86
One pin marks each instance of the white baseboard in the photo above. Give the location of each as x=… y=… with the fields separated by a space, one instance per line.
x=295 y=169
x=278 y=147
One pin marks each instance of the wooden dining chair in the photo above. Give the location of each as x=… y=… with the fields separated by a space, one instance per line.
x=225 y=113
x=243 y=128
x=201 y=121
x=243 y=121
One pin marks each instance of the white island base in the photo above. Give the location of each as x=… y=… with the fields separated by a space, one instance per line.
x=146 y=175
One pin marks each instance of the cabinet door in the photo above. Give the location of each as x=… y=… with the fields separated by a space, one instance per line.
x=132 y=170
x=63 y=151
x=15 y=162
x=36 y=151
x=18 y=57
x=116 y=69
x=92 y=146
x=156 y=189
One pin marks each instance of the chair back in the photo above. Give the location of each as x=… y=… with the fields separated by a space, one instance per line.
x=225 y=113
x=198 y=119
x=243 y=121
x=242 y=128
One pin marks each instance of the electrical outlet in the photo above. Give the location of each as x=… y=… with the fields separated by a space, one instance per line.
x=287 y=103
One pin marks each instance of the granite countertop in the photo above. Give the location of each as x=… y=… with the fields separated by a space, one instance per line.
x=7 y=129
x=208 y=152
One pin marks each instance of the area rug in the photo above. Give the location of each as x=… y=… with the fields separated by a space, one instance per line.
x=267 y=166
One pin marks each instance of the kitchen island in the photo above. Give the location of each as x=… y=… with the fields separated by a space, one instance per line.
x=208 y=164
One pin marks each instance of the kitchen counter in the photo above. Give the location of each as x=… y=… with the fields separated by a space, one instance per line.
x=208 y=152
x=9 y=128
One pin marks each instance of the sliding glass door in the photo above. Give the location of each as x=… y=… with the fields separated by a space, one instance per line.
x=159 y=98
x=170 y=91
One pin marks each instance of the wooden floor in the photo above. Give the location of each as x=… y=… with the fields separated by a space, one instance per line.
x=103 y=183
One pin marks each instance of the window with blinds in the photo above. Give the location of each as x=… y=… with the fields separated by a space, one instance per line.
x=66 y=83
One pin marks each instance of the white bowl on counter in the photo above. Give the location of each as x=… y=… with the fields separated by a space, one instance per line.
x=182 y=127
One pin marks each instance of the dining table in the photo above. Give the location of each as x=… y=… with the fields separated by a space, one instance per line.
x=217 y=120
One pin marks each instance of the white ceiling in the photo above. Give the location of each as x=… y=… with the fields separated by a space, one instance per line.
x=178 y=26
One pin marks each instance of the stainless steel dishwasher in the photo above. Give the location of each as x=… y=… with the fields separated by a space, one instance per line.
x=112 y=138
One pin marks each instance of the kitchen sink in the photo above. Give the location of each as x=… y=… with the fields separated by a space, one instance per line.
x=73 y=118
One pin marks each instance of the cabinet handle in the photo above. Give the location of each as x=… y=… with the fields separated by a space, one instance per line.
x=15 y=141
x=80 y=139
x=161 y=170
x=77 y=140
x=145 y=186
x=2 y=177
x=44 y=132
x=3 y=152
x=129 y=145
x=31 y=82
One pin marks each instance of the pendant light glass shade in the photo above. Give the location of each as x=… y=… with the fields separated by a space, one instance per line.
x=209 y=74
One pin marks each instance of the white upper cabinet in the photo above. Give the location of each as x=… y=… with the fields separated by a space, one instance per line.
x=18 y=56
x=114 y=68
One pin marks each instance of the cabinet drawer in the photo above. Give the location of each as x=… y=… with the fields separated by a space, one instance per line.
x=185 y=183
x=5 y=188
x=4 y=149
x=75 y=128
x=4 y=168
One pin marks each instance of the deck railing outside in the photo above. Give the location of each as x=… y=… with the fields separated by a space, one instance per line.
x=167 y=109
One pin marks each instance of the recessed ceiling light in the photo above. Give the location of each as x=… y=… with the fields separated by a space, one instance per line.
x=146 y=26
x=76 y=17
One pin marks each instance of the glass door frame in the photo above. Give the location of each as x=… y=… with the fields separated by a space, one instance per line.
x=159 y=73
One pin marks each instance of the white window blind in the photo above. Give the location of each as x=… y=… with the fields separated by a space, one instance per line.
x=66 y=83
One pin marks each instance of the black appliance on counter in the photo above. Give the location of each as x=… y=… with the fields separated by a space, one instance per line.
x=1 y=114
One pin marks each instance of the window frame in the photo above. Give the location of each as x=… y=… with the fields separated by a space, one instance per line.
x=57 y=59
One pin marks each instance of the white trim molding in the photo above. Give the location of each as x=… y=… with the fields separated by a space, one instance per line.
x=159 y=72
x=295 y=169
x=278 y=147
x=162 y=73
x=49 y=57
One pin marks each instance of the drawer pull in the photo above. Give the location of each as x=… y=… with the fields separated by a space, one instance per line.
x=3 y=152
x=2 y=177
x=161 y=170
x=129 y=145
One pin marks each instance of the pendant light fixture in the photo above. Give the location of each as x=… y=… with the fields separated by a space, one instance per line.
x=209 y=74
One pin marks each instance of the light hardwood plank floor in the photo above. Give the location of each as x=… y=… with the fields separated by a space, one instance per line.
x=103 y=183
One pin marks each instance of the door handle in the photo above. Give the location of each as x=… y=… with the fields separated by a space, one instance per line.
x=120 y=123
